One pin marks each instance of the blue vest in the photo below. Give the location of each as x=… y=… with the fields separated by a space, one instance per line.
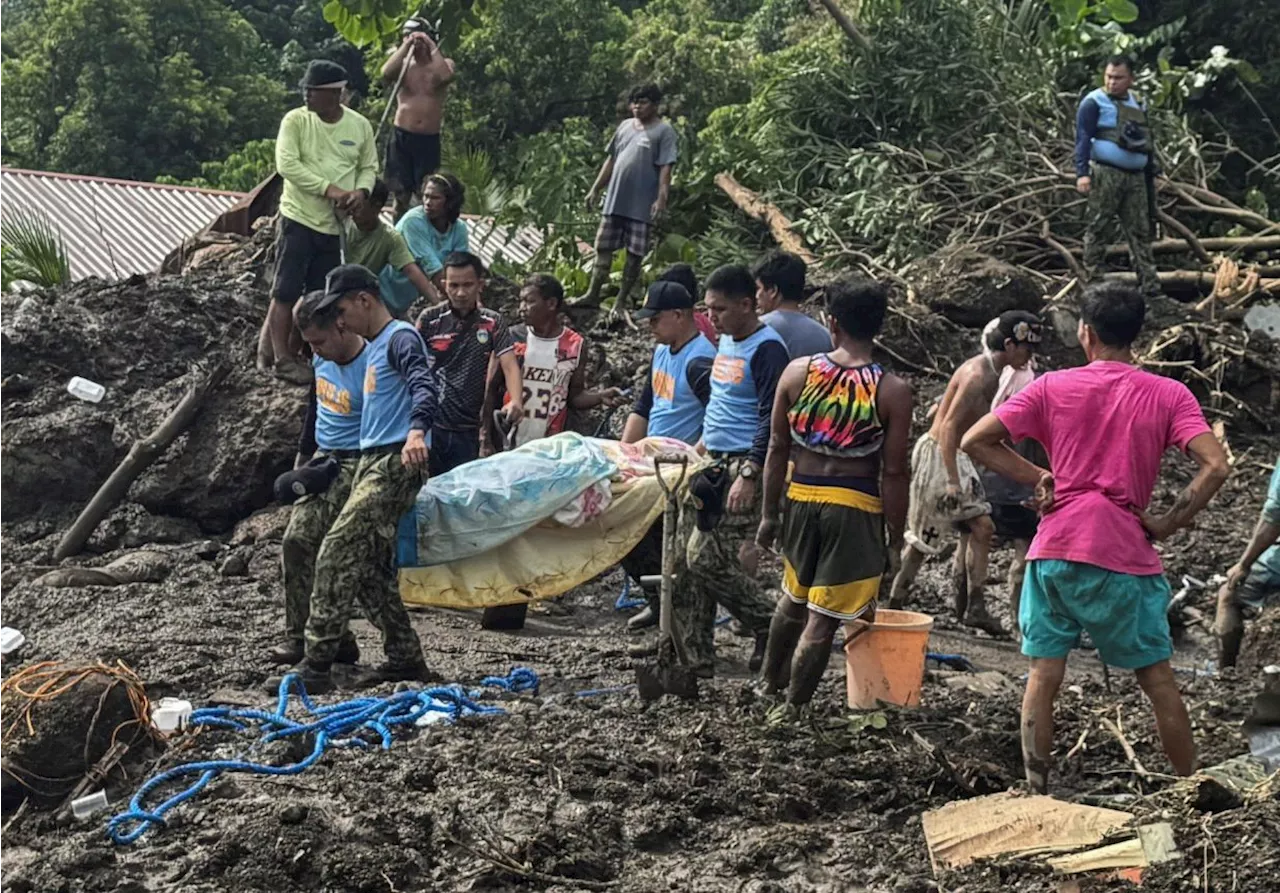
x=387 y=403
x=1108 y=151
x=339 y=402
x=676 y=410
x=733 y=413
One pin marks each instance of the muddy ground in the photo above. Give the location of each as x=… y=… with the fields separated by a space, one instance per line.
x=563 y=792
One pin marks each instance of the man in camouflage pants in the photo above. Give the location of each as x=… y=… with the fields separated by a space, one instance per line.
x=310 y=520
x=1115 y=168
x=357 y=557
x=735 y=435
x=330 y=433
x=710 y=573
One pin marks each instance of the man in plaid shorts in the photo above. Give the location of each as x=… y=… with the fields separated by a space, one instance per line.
x=638 y=171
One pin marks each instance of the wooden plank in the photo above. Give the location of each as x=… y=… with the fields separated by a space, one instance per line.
x=1008 y=824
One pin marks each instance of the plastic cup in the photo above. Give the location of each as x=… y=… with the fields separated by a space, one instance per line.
x=83 y=807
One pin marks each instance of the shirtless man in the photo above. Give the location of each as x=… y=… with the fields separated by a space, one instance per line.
x=946 y=489
x=414 y=149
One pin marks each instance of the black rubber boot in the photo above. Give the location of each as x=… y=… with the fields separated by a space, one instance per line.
x=757 y=654
x=389 y=672
x=504 y=617
x=316 y=678
x=291 y=651
x=646 y=619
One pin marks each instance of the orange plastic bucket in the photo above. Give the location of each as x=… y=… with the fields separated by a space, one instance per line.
x=886 y=663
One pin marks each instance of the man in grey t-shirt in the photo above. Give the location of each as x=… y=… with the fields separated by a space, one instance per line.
x=779 y=292
x=638 y=171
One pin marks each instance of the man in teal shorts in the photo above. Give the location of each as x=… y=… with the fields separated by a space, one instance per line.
x=1092 y=566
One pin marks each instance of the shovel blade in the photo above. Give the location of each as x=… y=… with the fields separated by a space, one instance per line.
x=655 y=680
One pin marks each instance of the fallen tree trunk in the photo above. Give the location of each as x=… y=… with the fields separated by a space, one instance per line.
x=141 y=455
x=1233 y=243
x=1191 y=280
x=779 y=224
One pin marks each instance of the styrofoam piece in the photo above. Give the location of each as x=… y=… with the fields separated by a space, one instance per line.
x=171 y=714
x=10 y=639
x=89 y=391
x=83 y=807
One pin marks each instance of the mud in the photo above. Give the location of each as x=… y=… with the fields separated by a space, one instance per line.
x=564 y=792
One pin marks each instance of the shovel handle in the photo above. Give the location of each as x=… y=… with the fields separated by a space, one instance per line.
x=662 y=459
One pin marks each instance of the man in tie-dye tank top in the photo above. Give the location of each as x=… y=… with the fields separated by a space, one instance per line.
x=846 y=423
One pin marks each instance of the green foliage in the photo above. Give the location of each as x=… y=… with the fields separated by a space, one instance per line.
x=32 y=250
x=525 y=67
x=857 y=723
x=133 y=88
x=700 y=63
x=901 y=154
x=366 y=22
x=240 y=172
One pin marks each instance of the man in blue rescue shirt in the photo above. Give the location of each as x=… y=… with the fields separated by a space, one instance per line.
x=357 y=557
x=330 y=433
x=723 y=501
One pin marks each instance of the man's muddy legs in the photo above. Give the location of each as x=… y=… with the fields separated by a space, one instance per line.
x=912 y=558
x=1037 y=719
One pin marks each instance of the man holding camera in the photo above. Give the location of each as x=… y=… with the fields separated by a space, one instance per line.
x=1116 y=168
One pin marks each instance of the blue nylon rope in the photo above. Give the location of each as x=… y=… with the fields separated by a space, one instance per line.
x=334 y=725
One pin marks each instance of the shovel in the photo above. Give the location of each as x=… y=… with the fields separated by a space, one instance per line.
x=664 y=677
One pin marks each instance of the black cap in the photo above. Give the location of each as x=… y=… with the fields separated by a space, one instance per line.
x=347 y=278
x=314 y=477
x=664 y=295
x=323 y=73
x=1020 y=326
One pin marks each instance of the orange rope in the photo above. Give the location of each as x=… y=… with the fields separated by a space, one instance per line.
x=48 y=680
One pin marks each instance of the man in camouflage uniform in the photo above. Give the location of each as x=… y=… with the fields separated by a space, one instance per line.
x=727 y=495
x=1115 y=168
x=330 y=434
x=357 y=557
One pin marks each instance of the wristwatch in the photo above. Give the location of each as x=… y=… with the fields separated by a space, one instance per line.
x=749 y=471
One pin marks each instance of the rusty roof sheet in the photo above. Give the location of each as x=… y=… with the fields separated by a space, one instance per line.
x=113 y=228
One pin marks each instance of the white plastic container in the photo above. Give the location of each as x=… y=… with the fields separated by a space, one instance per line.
x=10 y=639
x=171 y=714
x=87 y=390
x=83 y=807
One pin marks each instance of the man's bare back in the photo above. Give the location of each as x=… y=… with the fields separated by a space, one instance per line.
x=420 y=102
x=968 y=398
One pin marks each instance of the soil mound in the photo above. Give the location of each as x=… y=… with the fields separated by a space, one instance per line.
x=146 y=339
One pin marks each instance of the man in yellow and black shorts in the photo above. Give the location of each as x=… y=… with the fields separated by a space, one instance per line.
x=846 y=423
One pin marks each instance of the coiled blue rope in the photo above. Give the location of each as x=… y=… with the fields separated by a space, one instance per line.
x=334 y=725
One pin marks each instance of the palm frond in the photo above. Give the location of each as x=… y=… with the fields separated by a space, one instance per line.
x=33 y=250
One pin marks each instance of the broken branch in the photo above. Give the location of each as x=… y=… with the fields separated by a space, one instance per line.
x=141 y=455
x=766 y=212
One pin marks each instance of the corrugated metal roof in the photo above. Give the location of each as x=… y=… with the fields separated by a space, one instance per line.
x=491 y=242
x=113 y=228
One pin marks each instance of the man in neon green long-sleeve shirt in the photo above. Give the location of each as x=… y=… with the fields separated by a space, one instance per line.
x=326 y=155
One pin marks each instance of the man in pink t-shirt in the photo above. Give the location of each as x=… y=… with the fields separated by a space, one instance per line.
x=1092 y=566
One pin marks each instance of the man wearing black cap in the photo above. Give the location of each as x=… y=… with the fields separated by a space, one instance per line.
x=319 y=489
x=673 y=401
x=675 y=397
x=946 y=488
x=326 y=155
x=357 y=558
